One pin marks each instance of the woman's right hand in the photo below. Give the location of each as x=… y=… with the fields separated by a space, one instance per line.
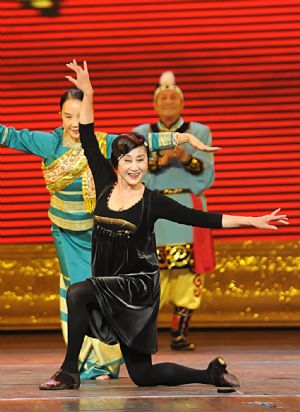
x=82 y=80
x=194 y=142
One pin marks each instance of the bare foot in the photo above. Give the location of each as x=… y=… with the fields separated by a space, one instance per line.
x=103 y=377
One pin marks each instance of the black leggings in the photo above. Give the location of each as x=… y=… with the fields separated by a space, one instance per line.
x=80 y=297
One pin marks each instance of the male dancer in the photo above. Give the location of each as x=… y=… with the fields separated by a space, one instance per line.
x=184 y=174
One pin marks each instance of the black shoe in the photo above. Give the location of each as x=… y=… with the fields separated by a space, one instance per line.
x=61 y=380
x=219 y=375
x=181 y=344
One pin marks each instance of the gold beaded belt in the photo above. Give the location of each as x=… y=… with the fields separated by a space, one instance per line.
x=174 y=191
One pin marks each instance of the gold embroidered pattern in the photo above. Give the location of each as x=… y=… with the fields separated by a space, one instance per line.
x=124 y=224
x=65 y=169
x=76 y=225
x=199 y=284
x=174 y=191
x=88 y=191
x=66 y=205
x=69 y=167
x=175 y=256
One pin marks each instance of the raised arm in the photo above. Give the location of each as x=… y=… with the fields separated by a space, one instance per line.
x=83 y=83
x=101 y=168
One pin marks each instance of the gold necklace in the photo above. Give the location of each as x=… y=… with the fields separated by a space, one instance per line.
x=68 y=141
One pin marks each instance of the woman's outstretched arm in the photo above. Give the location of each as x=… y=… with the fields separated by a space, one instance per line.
x=269 y=221
x=41 y=144
x=164 y=207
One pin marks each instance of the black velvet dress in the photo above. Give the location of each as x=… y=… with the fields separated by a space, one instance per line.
x=124 y=260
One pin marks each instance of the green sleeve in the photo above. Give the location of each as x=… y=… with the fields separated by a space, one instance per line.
x=156 y=141
x=41 y=144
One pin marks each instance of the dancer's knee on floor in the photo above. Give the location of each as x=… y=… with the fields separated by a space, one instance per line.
x=139 y=366
x=140 y=378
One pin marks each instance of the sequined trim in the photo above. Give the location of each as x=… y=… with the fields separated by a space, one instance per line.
x=5 y=135
x=174 y=191
x=69 y=167
x=176 y=256
x=88 y=191
x=124 y=224
x=66 y=205
x=65 y=169
x=76 y=225
x=101 y=137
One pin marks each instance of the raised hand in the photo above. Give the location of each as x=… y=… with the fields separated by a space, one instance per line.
x=263 y=222
x=195 y=142
x=82 y=80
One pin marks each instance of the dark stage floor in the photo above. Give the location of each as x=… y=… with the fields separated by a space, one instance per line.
x=266 y=362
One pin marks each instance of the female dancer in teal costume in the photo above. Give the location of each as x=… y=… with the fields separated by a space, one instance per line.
x=120 y=302
x=71 y=185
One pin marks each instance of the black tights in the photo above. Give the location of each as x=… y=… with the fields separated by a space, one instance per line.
x=139 y=365
x=80 y=296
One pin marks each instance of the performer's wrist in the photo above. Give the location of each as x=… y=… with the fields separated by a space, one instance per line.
x=182 y=138
x=89 y=92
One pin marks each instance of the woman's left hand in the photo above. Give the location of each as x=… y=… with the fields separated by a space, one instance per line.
x=82 y=80
x=263 y=222
x=195 y=142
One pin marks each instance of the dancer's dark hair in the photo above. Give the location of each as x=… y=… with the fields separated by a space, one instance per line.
x=73 y=93
x=124 y=143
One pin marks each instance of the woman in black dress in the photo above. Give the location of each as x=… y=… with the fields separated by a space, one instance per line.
x=120 y=302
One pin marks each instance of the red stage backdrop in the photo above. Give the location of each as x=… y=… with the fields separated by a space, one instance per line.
x=237 y=61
